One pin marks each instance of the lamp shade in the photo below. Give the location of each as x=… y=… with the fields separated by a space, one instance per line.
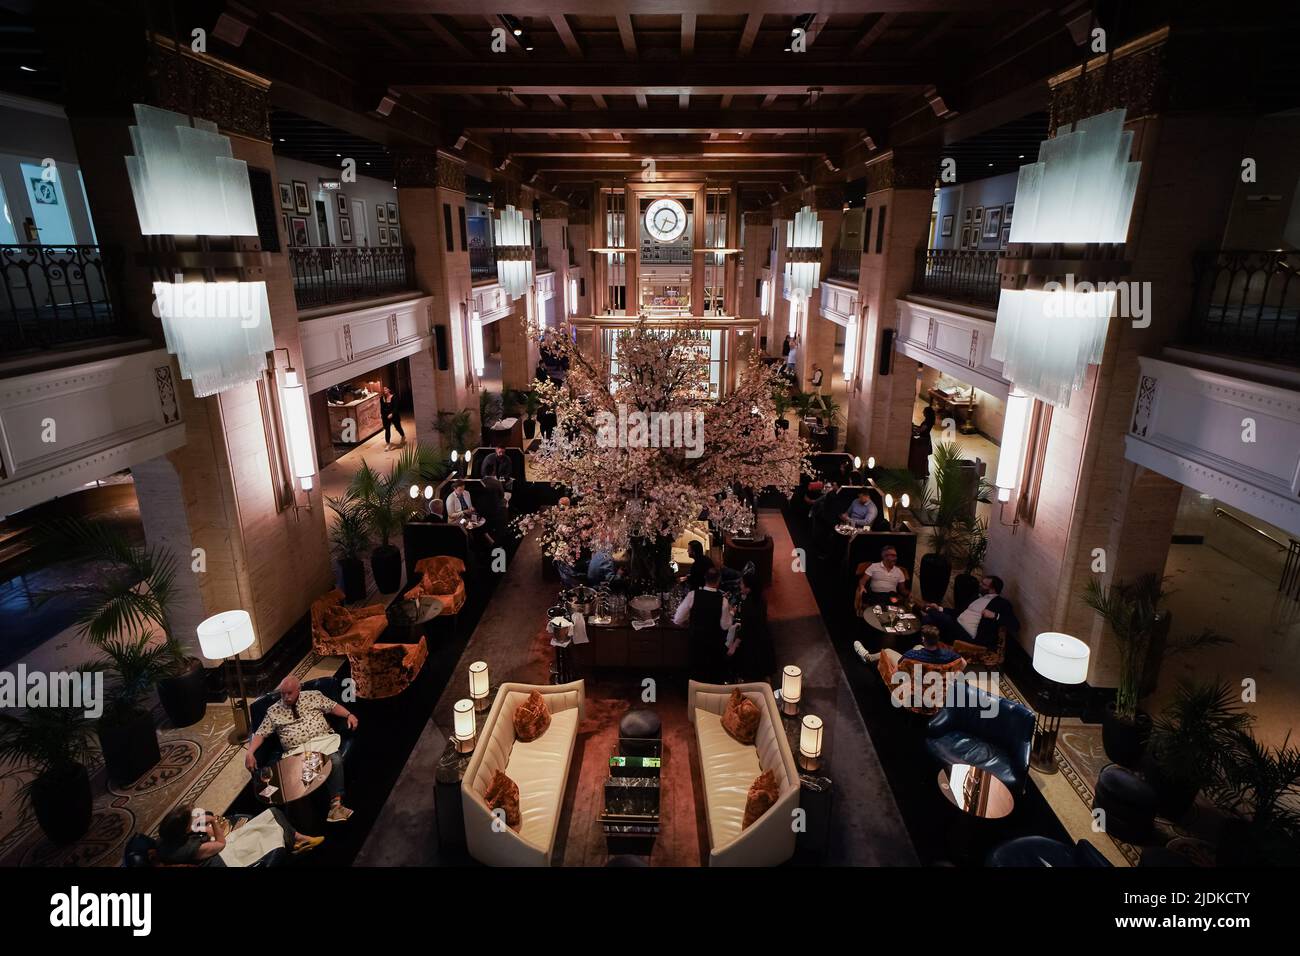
x=478 y=680
x=810 y=737
x=1061 y=658
x=226 y=635
x=791 y=684
x=463 y=723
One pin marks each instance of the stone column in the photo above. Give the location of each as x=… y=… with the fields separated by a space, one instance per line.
x=818 y=337
x=554 y=224
x=758 y=246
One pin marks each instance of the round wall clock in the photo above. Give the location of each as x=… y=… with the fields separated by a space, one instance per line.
x=665 y=219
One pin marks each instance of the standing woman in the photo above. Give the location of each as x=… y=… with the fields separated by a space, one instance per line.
x=918 y=454
x=753 y=657
x=389 y=414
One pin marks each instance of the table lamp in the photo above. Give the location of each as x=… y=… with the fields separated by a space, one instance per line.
x=791 y=689
x=221 y=637
x=810 y=742
x=463 y=725
x=1061 y=659
x=478 y=684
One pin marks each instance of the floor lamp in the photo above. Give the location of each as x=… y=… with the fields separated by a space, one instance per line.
x=222 y=637
x=1061 y=659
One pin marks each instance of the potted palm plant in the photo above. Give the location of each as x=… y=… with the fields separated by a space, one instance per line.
x=489 y=413
x=1188 y=741
x=54 y=744
x=348 y=538
x=385 y=504
x=966 y=585
x=128 y=739
x=532 y=402
x=134 y=595
x=1260 y=787
x=781 y=405
x=1132 y=610
x=455 y=428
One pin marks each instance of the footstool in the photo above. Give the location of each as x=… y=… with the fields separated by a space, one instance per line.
x=1129 y=803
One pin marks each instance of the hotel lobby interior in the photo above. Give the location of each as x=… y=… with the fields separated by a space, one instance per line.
x=690 y=435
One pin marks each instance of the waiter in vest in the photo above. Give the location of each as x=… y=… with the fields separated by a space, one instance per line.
x=709 y=613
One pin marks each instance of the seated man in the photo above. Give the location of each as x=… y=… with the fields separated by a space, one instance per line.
x=459 y=503
x=436 y=511
x=882 y=580
x=862 y=511
x=981 y=619
x=298 y=718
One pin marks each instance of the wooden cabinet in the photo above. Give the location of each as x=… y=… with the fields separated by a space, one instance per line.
x=363 y=411
x=620 y=646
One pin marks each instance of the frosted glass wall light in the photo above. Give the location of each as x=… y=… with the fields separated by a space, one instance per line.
x=476 y=342
x=297 y=428
x=219 y=332
x=514 y=251
x=1013 y=443
x=803 y=254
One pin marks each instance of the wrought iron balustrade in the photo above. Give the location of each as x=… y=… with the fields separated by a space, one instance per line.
x=966 y=275
x=52 y=295
x=482 y=262
x=1248 y=303
x=845 y=263
x=324 y=275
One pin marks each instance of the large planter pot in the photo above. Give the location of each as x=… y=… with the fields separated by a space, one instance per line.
x=1174 y=797
x=185 y=696
x=1239 y=845
x=130 y=748
x=1125 y=741
x=386 y=566
x=530 y=428
x=934 y=573
x=62 y=803
x=353 y=573
x=965 y=588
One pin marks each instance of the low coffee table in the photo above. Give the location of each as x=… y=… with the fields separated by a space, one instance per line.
x=410 y=632
x=904 y=627
x=976 y=792
x=291 y=792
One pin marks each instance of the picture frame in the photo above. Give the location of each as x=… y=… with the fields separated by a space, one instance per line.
x=301 y=197
x=298 y=235
x=979 y=214
x=342 y=202
x=966 y=215
x=965 y=237
x=392 y=213
x=284 y=220
x=345 y=229
x=993 y=222
x=381 y=212
x=383 y=235
x=286 y=197
x=945 y=229
x=1006 y=236
x=1007 y=210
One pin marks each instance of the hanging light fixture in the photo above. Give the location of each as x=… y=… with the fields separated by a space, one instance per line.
x=476 y=342
x=1066 y=249
x=220 y=332
x=514 y=251
x=803 y=252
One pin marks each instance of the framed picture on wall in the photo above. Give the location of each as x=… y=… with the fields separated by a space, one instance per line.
x=965 y=237
x=979 y=213
x=1007 y=210
x=383 y=235
x=946 y=229
x=286 y=197
x=342 y=201
x=392 y=213
x=1006 y=236
x=284 y=217
x=345 y=229
x=966 y=215
x=381 y=212
x=993 y=223
x=298 y=231
x=301 y=198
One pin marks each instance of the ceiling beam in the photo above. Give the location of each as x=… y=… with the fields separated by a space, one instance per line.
x=599 y=100
x=667 y=149
x=627 y=34
x=451 y=37
x=655 y=120
x=752 y=22
x=935 y=33
x=608 y=8
x=558 y=100
x=561 y=24
x=876 y=31
x=688 y=34
x=641 y=101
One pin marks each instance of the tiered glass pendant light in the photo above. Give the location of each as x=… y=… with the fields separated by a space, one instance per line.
x=803 y=253
x=514 y=251
x=1055 y=308
x=186 y=182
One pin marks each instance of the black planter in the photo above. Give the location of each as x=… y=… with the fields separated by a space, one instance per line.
x=61 y=801
x=1125 y=741
x=530 y=428
x=386 y=566
x=130 y=748
x=1240 y=844
x=1174 y=797
x=185 y=696
x=353 y=572
x=965 y=588
x=934 y=573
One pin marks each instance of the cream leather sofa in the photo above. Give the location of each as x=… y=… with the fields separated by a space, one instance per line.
x=729 y=769
x=540 y=768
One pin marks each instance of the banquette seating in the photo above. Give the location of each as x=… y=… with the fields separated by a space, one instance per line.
x=540 y=768
x=728 y=768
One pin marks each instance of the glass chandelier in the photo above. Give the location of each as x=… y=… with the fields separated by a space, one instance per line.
x=1065 y=249
x=514 y=251
x=803 y=253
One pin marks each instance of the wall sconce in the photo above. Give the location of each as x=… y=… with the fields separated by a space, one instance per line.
x=850 y=349
x=476 y=342
x=297 y=427
x=463 y=725
x=765 y=298
x=573 y=297
x=810 y=742
x=1012 y=451
x=478 y=684
x=791 y=689
x=415 y=492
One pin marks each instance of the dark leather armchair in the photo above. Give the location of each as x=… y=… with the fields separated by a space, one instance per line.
x=988 y=732
x=271 y=751
x=1040 y=851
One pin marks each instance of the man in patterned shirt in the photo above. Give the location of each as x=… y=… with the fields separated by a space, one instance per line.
x=298 y=718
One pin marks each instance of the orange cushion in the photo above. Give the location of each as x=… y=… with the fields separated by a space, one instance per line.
x=503 y=794
x=763 y=794
x=741 y=718
x=532 y=718
x=337 y=620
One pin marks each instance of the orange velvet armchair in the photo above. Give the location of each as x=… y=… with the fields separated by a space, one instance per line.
x=442 y=577
x=380 y=670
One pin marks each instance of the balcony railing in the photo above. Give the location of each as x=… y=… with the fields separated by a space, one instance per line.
x=53 y=296
x=966 y=275
x=845 y=263
x=482 y=262
x=324 y=275
x=1248 y=303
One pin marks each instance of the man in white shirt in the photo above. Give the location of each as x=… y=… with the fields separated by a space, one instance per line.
x=459 y=503
x=710 y=617
x=980 y=621
x=882 y=580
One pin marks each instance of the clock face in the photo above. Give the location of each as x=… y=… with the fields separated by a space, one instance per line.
x=665 y=219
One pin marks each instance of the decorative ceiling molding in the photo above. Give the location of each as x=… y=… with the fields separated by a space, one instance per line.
x=428 y=169
x=200 y=85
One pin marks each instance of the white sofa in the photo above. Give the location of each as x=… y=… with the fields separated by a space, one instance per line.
x=540 y=768
x=729 y=768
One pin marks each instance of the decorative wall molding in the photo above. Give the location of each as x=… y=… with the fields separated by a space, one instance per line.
x=341 y=346
x=507 y=192
x=103 y=416
x=759 y=217
x=195 y=83
x=839 y=303
x=491 y=302
x=545 y=286
x=902 y=169
x=428 y=169
x=554 y=209
x=952 y=342
x=829 y=197
x=1231 y=437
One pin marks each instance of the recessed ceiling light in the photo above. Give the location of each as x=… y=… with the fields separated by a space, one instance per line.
x=1022 y=155
x=529 y=48
x=282 y=139
x=990 y=165
x=518 y=32
x=27 y=69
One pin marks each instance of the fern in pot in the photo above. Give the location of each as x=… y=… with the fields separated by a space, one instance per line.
x=349 y=536
x=133 y=664
x=1259 y=786
x=385 y=504
x=53 y=744
x=1188 y=741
